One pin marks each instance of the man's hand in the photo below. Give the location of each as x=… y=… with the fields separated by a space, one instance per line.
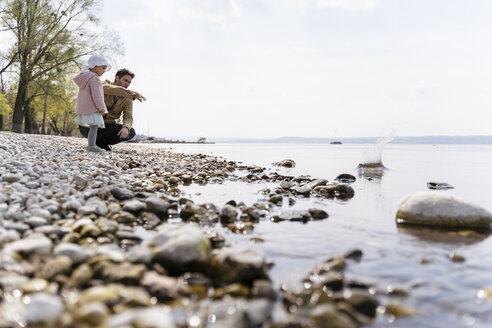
x=139 y=97
x=123 y=134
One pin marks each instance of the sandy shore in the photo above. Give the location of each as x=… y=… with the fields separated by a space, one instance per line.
x=107 y=239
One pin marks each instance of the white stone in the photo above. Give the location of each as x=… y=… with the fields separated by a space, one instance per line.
x=42 y=308
x=155 y=317
x=439 y=209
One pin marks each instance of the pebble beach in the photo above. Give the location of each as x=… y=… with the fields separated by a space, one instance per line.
x=112 y=240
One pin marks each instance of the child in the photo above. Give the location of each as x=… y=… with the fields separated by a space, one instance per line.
x=90 y=101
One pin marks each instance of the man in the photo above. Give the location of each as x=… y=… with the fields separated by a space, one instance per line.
x=119 y=100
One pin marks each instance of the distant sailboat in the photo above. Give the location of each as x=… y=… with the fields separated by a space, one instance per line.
x=333 y=141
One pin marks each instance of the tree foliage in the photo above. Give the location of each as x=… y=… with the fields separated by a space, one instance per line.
x=48 y=40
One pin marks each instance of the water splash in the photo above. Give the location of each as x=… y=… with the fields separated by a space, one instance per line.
x=373 y=157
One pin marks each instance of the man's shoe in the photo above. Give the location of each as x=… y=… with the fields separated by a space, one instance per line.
x=103 y=146
x=94 y=149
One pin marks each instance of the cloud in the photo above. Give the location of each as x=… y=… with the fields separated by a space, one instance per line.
x=217 y=11
x=351 y=5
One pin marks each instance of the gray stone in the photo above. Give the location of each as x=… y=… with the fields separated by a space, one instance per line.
x=11 y=177
x=134 y=206
x=34 y=244
x=158 y=206
x=292 y=215
x=121 y=193
x=437 y=209
x=17 y=226
x=242 y=265
x=36 y=221
x=228 y=214
x=140 y=254
x=289 y=163
x=33 y=185
x=40 y=212
x=74 y=251
x=93 y=206
x=181 y=248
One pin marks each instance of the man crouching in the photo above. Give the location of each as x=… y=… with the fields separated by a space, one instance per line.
x=119 y=100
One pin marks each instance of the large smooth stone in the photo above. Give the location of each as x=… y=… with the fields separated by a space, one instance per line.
x=442 y=210
x=180 y=248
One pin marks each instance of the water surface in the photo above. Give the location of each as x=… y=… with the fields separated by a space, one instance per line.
x=442 y=291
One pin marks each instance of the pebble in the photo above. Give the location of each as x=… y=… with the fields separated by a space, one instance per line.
x=42 y=308
x=181 y=248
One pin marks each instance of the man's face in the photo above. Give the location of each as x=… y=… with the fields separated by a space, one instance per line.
x=123 y=81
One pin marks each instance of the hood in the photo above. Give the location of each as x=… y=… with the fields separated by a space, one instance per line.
x=82 y=79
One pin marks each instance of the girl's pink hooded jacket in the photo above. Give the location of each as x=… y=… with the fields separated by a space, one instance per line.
x=91 y=95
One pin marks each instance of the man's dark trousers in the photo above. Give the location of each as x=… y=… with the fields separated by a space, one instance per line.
x=108 y=135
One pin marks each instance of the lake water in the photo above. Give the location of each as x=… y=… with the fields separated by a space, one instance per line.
x=443 y=292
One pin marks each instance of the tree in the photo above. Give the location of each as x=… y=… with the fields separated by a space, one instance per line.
x=4 y=109
x=49 y=36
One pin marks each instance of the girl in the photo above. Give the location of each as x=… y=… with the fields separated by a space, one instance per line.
x=90 y=101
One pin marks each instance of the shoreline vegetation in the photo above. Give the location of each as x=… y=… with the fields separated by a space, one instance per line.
x=109 y=240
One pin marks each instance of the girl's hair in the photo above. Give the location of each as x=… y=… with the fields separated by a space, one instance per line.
x=124 y=71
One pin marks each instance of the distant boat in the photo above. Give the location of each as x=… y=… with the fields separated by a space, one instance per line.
x=334 y=142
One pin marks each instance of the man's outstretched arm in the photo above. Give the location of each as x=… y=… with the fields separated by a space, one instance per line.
x=114 y=90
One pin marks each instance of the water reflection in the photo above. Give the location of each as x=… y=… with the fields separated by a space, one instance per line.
x=371 y=173
x=447 y=236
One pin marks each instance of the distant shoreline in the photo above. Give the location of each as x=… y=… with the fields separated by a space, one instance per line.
x=441 y=140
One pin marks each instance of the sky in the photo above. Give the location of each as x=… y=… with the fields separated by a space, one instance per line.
x=307 y=68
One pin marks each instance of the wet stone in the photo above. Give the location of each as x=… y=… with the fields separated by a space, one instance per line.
x=439 y=185
x=292 y=215
x=318 y=214
x=302 y=190
x=242 y=265
x=276 y=199
x=228 y=214
x=181 y=248
x=345 y=178
x=441 y=210
x=289 y=163
x=286 y=184
x=158 y=206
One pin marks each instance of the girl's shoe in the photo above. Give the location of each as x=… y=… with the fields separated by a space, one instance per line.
x=94 y=149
